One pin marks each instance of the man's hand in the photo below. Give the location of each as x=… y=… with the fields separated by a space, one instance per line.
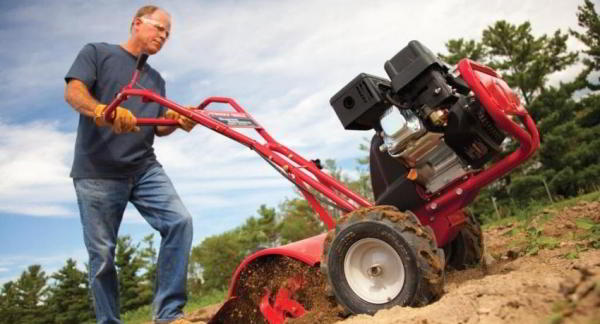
x=184 y=122
x=124 y=121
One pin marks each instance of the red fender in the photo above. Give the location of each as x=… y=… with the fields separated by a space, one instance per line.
x=308 y=251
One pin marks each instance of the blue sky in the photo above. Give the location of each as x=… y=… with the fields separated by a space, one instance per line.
x=281 y=60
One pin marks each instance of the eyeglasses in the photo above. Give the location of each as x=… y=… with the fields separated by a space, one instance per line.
x=160 y=27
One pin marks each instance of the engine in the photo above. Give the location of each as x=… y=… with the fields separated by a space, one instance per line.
x=426 y=118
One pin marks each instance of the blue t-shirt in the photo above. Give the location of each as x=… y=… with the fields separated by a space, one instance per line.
x=99 y=152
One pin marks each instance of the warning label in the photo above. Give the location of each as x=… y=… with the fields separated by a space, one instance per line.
x=233 y=119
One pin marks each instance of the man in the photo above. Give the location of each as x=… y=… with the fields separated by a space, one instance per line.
x=115 y=164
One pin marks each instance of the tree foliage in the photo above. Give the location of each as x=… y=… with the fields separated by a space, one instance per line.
x=9 y=303
x=70 y=300
x=31 y=292
x=146 y=258
x=587 y=18
x=524 y=60
x=64 y=297
x=128 y=264
x=459 y=49
x=299 y=221
x=567 y=160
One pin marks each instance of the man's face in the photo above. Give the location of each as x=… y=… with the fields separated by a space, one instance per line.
x=152 y=31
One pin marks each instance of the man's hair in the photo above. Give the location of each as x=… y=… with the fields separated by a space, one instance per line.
x=144 y=11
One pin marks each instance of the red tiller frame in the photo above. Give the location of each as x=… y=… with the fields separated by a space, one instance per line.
x=442 y=210
x=305 y=174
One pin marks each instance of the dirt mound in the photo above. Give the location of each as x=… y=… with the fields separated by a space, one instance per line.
x=526 y=290
x=566 y=220
x=585 y=209
x=547 y=270
x=521 y=284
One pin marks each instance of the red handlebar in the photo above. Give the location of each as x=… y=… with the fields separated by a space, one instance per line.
x=493 y=93
x=302 y=172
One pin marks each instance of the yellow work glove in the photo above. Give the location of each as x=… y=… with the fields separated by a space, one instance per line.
x=124 y=121
x=185 y=123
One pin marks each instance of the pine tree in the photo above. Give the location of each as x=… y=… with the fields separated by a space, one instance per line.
x=9 y=304
x=524 y=60
x=128 y=264
x=459 y=49
x=147 y=258
x=70 y=302
x=31 y=293
x=570 y=153
x=588 y=18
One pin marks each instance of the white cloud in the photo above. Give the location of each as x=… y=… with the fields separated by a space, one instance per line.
x=327 y=42
x=34 y=166
x=15 y=264
x=35 y=161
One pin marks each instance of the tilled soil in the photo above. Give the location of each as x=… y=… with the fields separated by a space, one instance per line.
x=525 y=290
x=512 y=287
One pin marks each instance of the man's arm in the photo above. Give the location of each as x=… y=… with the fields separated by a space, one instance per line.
x=78 y=96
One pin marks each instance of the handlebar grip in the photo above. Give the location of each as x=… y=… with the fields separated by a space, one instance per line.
x=141 y=61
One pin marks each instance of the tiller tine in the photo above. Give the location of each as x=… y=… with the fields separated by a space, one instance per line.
x=283 y=305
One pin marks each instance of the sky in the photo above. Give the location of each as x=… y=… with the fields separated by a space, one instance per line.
x=281 y=60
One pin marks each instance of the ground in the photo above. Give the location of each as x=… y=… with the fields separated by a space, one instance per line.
x=543 y=270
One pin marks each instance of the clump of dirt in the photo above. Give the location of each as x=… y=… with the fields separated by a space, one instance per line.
x=581 y=292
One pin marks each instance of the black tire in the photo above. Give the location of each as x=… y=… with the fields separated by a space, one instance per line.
x=413 y=250
x=466 y=250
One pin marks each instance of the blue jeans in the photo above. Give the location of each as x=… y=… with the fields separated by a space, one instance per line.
x=101 y=206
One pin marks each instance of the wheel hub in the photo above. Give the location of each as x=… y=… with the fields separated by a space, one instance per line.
x=374 y=270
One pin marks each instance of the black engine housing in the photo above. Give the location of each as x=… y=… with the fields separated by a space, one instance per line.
x=420 y=82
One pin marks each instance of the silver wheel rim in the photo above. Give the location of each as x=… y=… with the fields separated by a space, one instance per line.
x=374 y=270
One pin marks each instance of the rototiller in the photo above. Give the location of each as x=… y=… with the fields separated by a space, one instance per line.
x=439 y=135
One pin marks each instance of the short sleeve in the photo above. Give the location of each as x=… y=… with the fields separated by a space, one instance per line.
x=84 y=66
